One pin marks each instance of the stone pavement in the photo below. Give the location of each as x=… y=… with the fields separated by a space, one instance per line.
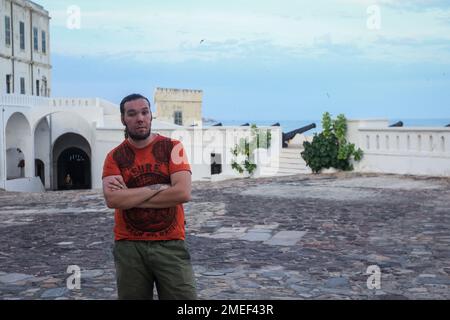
x=297 y=237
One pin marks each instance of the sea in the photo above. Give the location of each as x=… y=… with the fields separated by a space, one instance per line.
x=289 y=125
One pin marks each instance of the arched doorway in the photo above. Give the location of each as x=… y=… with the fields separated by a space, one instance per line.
x=19 y=160
x=71 y=162
x=39 y=168
x=74 y=169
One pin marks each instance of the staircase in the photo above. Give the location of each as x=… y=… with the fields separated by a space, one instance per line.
x=290 y=163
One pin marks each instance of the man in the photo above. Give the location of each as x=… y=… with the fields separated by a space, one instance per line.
x=146 y=179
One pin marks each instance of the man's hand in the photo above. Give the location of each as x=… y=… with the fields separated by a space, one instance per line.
x=179 y=192
x=114 y=183
x=118 y=196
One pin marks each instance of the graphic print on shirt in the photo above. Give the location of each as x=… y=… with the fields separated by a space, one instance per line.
x=147 y=221
x=162 y=150
x=124 y=156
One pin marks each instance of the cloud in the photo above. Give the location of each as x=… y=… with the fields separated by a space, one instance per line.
x=211 y=32
x=406 y=5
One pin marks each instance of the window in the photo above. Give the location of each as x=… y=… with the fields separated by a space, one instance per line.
x=178 y=115
x=44 y=42
x=216 y=163
x=35 y=39
x=8 y=83
x=22 y=35
x=37 y=87
x=44 y=91
x=7 y=31
x=22 y=85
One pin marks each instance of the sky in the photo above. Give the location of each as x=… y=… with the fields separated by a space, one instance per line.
x=259 y=60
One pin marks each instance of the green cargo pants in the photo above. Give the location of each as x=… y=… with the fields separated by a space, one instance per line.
x=141 y=264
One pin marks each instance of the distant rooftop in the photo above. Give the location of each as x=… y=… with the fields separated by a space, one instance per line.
x=175 y=90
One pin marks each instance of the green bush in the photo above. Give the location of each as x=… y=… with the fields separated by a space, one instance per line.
x=259 y=139
x=330 y=149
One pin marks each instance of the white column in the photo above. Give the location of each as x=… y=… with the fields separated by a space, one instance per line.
x=2 y=150
x=29 y=158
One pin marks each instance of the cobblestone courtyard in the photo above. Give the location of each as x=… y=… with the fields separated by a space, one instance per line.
x=297 y=237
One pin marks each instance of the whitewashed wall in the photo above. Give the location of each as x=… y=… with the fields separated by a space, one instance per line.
x=401 y=150
x=198 y=142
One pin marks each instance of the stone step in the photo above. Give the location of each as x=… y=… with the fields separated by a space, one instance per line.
x=291 y=150
x=284 y=171
x=290 y=155
x=291 y=160
x=294 y=171
x=299 y=166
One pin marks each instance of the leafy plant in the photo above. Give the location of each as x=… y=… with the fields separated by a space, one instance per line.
x=330 y=149
x=243 y=152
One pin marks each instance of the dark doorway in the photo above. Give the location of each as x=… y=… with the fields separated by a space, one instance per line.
x=74 y=170
x=216 y=163
x=39 y=169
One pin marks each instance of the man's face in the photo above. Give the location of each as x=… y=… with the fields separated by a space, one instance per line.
x=137 y=119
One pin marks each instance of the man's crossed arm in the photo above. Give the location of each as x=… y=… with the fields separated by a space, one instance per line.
x=118 y=196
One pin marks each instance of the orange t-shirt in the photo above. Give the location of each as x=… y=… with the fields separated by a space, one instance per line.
x=152 y=164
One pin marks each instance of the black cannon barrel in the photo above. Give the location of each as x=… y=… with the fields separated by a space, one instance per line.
x=291 y=134
x=245 y=124
x=397 y=124
x=217 y=124
x=448 y=126
x=276 y=124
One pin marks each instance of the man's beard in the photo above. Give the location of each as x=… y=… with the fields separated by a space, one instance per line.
x=137 y=137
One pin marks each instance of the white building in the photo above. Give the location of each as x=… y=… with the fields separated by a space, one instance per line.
x=44 y=139
x=24 y=48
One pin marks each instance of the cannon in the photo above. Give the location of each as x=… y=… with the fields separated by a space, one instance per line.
x=397 y=124
x=448 y=126
x=276 y=124
x=245 y=124
x=217 y=124
x=291 y=134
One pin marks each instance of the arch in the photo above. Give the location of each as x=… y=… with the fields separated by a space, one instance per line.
x=18 y=147
x=72 y=155
x=74 y=169
x=64 y=121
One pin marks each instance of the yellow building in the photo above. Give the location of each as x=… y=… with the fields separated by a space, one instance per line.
x=179 y=106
